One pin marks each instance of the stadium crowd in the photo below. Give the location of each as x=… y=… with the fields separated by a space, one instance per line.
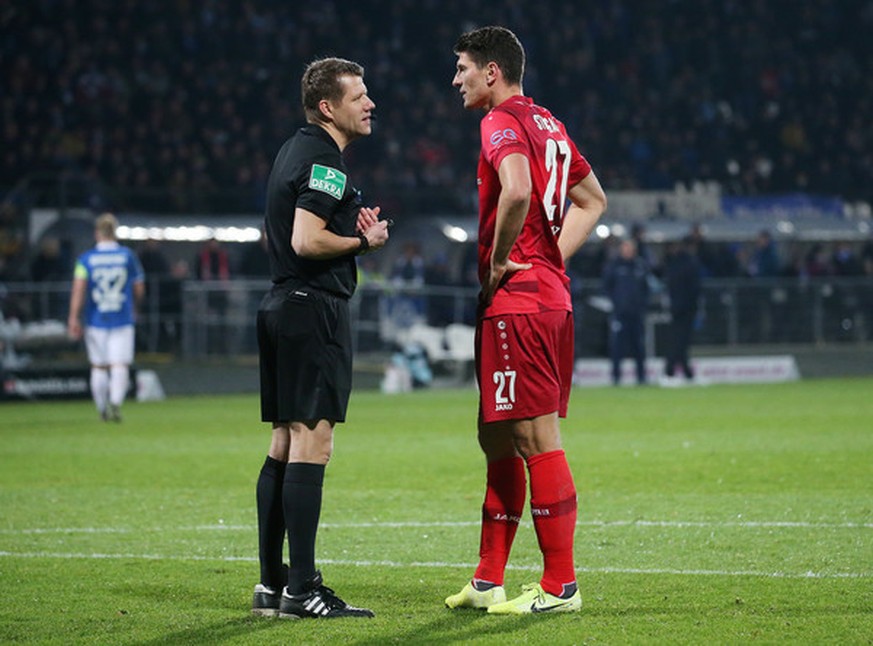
x=186 y=97
x=180 y=106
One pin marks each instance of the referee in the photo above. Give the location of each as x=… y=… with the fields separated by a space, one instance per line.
x=315 y=228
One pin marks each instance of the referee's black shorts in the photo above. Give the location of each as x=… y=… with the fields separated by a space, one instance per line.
x=305 y=348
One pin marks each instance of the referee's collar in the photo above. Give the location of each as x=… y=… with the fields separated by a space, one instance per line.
x=318 y=131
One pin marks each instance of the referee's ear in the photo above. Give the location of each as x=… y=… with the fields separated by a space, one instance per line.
x=325 y=111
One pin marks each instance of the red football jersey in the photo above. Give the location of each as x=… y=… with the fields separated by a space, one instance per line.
x=519 y=126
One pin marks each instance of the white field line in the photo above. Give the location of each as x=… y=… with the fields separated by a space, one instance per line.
x=667 y=524
x=437 y=564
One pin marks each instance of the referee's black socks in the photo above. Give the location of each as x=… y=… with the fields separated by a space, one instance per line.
x=301 y=498
x=271 y=522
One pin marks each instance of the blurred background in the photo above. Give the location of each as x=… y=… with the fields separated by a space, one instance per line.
x=743 y=128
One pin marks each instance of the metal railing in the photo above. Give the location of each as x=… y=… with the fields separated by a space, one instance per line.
x=195 y=319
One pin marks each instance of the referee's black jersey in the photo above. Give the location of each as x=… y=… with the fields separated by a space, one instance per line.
x=309 y=173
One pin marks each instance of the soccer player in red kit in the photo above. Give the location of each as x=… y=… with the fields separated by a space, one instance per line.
x=528 y=171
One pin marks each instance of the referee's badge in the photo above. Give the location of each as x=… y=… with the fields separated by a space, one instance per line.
x=327 y=180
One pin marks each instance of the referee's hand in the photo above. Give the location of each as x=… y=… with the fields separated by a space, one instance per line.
x=372 y=227
x=367 y=217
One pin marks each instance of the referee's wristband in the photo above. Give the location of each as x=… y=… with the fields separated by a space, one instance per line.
x=364 y=246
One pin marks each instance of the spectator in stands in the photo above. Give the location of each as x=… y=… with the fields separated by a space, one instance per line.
x=818 y=262
x=369 y=273
x=212 y=264
x=13 y=227
x=157 y=270
x=626 y=284
x=408 y=269
x=844 y=260
x=604 y=253
x=703 y=250
x=717 y=259
x=440 y=306
x=764 y=261
x=171 y=305
x=255 y=265
x=746 y=94
x=682 y=275
x=49 y=263
x=212 y=261
x=867 y=258
x=370 y=292
x=407 y=272
x=154 y=261
x=644 y=252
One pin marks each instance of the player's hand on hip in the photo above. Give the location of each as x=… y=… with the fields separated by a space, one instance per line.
x=498 y=274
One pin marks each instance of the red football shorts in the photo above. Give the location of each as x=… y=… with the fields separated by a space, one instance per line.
x=524 y=365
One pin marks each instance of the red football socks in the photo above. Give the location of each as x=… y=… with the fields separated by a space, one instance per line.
x=501 y=512
x=553 y=507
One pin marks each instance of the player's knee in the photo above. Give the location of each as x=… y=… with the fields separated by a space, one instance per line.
x=320 y=454
x=310 y=454
x=525 y=447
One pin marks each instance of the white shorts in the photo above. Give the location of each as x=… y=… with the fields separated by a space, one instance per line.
x=110 y=346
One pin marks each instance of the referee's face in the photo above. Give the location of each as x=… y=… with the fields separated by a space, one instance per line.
x=352 y=115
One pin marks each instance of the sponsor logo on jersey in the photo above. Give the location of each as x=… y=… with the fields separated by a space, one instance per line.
x=499 y=136
x=503 y=407
x=327 y=180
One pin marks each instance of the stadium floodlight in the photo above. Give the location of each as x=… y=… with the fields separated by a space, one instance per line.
x=602 y=231
x=197 y=233
x=455 y=233
x=237 y=234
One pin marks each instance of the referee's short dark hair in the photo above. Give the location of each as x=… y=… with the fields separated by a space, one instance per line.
x=321 y=80
x=496 y=44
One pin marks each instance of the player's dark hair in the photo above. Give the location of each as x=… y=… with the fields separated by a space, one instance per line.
x=321 y=81
x=496 y=44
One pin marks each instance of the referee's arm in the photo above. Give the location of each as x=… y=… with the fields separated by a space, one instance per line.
x=311 y=239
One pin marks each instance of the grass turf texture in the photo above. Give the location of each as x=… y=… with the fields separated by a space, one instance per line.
x=728 y=514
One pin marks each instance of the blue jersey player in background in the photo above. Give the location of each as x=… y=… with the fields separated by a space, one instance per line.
x=108 y=283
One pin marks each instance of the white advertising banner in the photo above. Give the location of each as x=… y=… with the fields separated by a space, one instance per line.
x=707 y=370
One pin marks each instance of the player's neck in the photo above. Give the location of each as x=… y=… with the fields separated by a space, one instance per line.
x=503 y=93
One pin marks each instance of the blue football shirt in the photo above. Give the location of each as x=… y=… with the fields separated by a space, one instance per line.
x=111 y=271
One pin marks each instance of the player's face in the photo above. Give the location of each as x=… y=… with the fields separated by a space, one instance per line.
x=352 y=115
x=471 y=80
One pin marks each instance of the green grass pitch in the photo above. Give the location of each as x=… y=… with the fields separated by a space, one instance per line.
x=727 y=514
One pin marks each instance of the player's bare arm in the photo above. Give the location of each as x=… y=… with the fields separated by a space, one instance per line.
x=311 y=239
x=77 y=300
x=588 y=203
x=138 y=296
x=512 y=207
